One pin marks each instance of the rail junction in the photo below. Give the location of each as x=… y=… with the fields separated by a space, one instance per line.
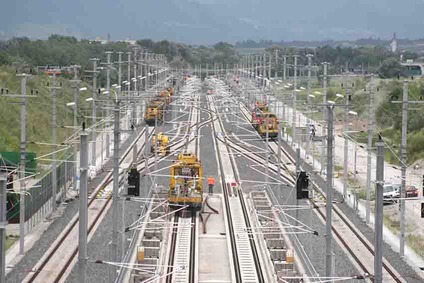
x=252 y=228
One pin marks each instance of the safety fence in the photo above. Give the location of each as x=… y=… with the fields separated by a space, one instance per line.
x=38 y=199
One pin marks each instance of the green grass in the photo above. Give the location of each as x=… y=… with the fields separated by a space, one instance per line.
x=416 y=243
x=39 y=112
x=393 y=225
x=338 y=168
x=10 y=241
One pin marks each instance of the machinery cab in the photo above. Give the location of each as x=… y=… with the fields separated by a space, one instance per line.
x=186 y=185
x=268 y=123
x=160 y=144
x=170 y=90
x=165 y=96
x=154 y=112
x=257 y=113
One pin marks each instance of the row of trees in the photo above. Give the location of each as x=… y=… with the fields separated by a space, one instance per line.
x=376 y=59
x=389 y=118
x=65 y=50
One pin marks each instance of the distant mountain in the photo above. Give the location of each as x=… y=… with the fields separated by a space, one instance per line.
x=209 y=21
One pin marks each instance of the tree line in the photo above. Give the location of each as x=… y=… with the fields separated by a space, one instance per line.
x=66 y=50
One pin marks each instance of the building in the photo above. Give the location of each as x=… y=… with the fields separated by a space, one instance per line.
x=414 y=69
x=393 y=44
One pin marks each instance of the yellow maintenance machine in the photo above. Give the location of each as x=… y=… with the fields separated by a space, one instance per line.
x=268 y=123
x=165 y=96
x=160 y=143
x=154 y=112
x=185 y=188
x=262 y=106
x=170 y=90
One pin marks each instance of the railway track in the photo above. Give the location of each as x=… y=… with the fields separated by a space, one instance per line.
x=244 y=250
x=182 y=252
x=354 y=242
x=172 y=266
x=48 y=269
x=60 y=254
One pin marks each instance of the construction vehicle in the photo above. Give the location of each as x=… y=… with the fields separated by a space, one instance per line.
x=267 y=125
x=186 y=186
x=257 y=113
x=170 y=90
x=154 y=112
x=160 y=144
x=165 y=96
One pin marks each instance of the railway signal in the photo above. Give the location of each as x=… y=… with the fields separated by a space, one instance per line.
x=134 y=182
x=422 y=210
x=302 y=185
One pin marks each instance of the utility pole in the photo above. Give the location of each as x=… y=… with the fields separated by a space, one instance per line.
x=249 y=66
x=22 y=165
x=329 y=193
x=75 y=83
x=83 y=209
x=325 y=82
x=294 y=139
x=284 y=68
x=405 y=103
x=108 y=69
x=369 y=152
x=115 y=192
x=119 y=69
x=267 y=153
x=54 y=125
x=346 y=143
x=276 y=65
x=309 y=56
x=207 y=70
x=279 y=161
x=257 y=71
x=119 y=89
x=3 y=223
x=94 y=114
x=378 y=222
x=135 y=50
x=146 y=154
x=22 y=148
x=323 y=157
x=296 y=201
x=263 y=64
x=146 y=73
x=269 y=66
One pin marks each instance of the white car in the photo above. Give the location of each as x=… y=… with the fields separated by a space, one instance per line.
x=390 y=193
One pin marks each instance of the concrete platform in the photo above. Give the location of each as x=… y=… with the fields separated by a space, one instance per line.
x=214 y=264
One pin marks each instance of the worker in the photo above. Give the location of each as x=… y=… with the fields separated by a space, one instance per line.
x=211 y=183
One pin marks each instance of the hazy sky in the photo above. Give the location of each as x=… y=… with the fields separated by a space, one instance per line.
x=209 y=21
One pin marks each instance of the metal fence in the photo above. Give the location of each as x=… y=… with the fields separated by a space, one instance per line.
x=39 y=194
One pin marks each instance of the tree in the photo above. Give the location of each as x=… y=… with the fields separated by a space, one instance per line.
x=391 y=68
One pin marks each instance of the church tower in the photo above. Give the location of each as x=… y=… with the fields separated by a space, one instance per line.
x=393 y=44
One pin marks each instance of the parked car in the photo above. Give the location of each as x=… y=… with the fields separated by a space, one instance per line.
x=390 y=193
x=411 y=192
